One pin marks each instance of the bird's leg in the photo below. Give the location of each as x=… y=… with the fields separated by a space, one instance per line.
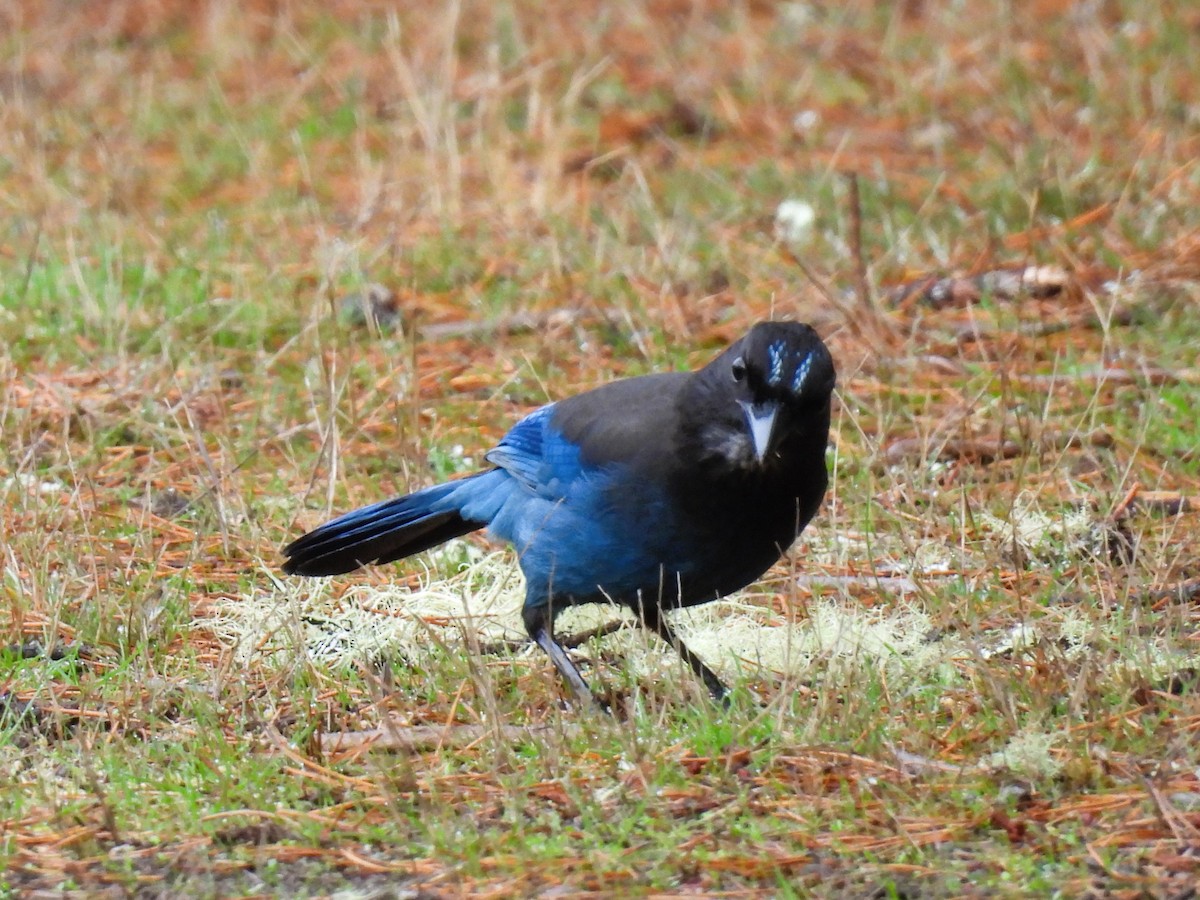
x=539 y=622
x=652 y=618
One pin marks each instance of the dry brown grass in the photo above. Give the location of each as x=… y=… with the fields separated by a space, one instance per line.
x=1004 y=258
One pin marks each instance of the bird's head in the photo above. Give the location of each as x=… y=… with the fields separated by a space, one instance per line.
x=781 y=377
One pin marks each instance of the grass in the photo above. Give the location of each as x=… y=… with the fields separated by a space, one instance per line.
x=976 y=674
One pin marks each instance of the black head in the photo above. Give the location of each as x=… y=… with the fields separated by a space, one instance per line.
x=782 y=361
x=781 y=377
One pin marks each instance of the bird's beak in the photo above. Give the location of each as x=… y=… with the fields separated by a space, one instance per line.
x=761 y=418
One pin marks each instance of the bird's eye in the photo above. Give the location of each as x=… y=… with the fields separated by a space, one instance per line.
x=738 y=369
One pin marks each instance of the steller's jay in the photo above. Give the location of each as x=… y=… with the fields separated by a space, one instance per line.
x=654 y=492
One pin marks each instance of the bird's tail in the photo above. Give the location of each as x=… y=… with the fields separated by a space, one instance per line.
x=382 y=532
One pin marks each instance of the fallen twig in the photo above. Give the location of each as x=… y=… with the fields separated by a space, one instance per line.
x=421 y=738
x=1183 y=592
x=899 y=583
x=986 y=450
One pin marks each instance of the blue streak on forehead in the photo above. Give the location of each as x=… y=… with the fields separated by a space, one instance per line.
x=801 y=374
x=776 y=353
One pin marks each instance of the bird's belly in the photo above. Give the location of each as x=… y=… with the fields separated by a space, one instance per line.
x=571 y=559
x=727 y=566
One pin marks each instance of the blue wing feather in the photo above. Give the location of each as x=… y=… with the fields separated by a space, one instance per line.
x=576 y=517
x=537 y=456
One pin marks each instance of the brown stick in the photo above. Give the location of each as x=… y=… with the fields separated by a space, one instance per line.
x=865 y=294
x=419 y=738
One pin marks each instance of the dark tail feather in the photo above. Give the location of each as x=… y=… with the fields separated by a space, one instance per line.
x=380 y=533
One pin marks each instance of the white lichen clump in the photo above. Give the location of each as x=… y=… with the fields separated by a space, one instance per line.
x=794 y=220
x=1028 y=753
x=1031 y=532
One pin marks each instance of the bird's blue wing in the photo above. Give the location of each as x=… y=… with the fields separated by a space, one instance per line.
x=520 y=451
x=538 y=456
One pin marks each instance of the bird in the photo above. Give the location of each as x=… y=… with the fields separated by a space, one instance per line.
x=654 y=492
